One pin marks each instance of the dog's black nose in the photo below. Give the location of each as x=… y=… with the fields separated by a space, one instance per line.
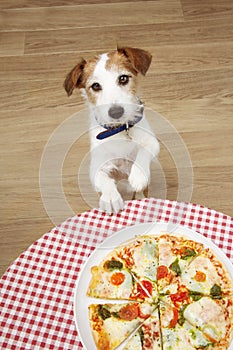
x=116 y=112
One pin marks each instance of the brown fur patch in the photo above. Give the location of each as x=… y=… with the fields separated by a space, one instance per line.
x=73 y=78
x=87 y=73
x=89 y=70
x=139 y=59
x=120 y=62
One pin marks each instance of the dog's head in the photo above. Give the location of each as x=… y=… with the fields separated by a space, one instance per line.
x=109 y=83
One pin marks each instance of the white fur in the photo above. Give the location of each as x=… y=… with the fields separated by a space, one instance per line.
x=129 y=153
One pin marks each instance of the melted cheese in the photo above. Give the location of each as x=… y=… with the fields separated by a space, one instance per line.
x=165 y=253
x=104 y=288
x=196 y=337
x=175 y=339
x=167 y=315
x=134 y=343
x=145 y=260
x=118 y=330
x=208 y=316
x=204 y=265
x=146 y=308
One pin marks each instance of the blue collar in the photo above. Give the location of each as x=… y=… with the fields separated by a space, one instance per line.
x=115 y=130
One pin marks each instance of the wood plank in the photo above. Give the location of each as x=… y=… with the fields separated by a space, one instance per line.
x=194 y=57
x=25 y=134
x=182 y=86
x=208 y=147
x=209 y=188
x=166 y=59
x=213 y=187
x=92 y=39
x=192 y=115
x=25 y=193
x=207 y=10
x=12 y=44
x=33 y=94
x=18 y=125
x=203 y=147
x=215 y=84
x=37 y=67
x=15 y=4
x=83 y=16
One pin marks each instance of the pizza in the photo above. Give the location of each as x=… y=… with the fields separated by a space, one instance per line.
x=113 y=323
x=161 y=292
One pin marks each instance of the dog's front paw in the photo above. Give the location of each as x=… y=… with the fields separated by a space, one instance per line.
x=111 y=202
x=139 y=178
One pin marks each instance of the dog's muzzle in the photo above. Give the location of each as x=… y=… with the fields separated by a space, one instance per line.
x=115 y=112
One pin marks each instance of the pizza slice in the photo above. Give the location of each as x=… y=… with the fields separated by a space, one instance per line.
x=111 y=324
x=126 y=272
x=206 y=275
x=141 y=258
x=213 y=318
x=203 y=322
x=111 y=280
x=175 y=255
x=147 y=337
x=177 y=332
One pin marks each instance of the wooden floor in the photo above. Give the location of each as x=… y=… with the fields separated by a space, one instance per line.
x=190 y=83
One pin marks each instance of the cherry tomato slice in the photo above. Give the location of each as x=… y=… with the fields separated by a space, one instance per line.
x=162 y=272
x=174 y=320
x=179 y=297
x=129 y=312
x=141 y=289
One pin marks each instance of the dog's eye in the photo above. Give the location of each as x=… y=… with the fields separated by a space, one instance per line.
x=96 y=87
x=123 y=79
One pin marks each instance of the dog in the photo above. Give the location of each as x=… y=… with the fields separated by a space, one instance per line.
x=122 y=142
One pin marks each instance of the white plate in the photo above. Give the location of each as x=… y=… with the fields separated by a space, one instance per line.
x=81 y=301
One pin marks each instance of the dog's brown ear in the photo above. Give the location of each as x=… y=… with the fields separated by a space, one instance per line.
x=74 y=78
x=140 y=59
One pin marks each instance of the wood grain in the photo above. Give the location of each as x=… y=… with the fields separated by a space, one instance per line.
x=188 y=92
x=12 y=44
x=208 y=9
x=86 y=16
x=150 y=35
x=15 y=4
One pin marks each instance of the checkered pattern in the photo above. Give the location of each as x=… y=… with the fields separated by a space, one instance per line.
x=37 y=289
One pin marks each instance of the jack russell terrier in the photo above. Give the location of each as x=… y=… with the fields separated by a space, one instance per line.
x=122 y=142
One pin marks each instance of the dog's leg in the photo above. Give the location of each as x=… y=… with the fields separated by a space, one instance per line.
x=139 y=177
x=110 y=199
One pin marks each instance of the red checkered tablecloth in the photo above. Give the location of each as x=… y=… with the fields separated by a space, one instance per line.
x=37 y=289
